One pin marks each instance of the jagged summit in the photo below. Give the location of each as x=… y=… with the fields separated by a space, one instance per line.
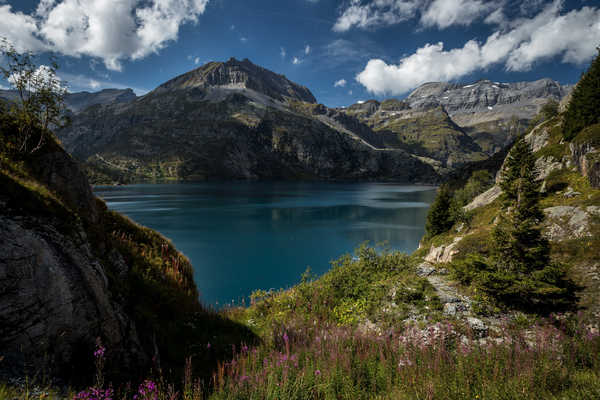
x=484 y=93
x=235 y=74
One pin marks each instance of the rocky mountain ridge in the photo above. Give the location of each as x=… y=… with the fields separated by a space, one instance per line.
x=239 y=110
x=490 y=113
x=231 y=120
x=235 y=74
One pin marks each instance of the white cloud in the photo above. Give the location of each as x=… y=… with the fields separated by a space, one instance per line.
x=496 y=18
x=307 y=50
x=350 y=92
x=19 y=29
x=296 y=61
x=282 y=52
x=445 y=13
x=572 y=36
x=370 y=14
x=243 y=39
x=340 y=83
x=232 y=28
x=112 y=30
x=197 y=60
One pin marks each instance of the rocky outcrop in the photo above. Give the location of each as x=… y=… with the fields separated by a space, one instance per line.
x=55 y=300
x=520 y=98
x=484 y=198
x=585 y=151
x=566 y=223
x=443 y=253
x=65 y=279
x=239 y=74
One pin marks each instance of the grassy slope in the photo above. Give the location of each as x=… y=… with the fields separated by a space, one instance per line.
x=580 y=253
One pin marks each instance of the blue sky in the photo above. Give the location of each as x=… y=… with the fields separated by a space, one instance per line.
x=343 y=51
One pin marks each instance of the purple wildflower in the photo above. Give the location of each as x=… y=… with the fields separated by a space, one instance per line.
x=317 y=372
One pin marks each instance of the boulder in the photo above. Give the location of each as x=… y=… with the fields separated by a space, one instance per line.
x=443 y=253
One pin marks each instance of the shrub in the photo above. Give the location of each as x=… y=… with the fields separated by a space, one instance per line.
x=549 y=110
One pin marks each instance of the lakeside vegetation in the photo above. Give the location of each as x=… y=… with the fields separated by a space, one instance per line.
x=372 y=327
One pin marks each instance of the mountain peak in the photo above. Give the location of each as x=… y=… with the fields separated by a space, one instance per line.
x=235 y=74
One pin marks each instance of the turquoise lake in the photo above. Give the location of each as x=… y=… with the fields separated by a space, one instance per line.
x=242 y=236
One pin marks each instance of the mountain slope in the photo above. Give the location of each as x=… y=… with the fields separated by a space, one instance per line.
x=230 y=120
x=480 y=118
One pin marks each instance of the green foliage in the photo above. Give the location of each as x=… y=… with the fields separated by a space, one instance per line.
x=584 y=108
x=478 y=183
x=439 y=217
x=447 y=208
x=40 y=104
x=549 y=110
x=519 y=272
x=355 y=289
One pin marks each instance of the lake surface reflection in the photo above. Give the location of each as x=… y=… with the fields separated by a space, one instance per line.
x=242 y=236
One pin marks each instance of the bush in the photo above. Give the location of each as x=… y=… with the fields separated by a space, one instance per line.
x=549 y=110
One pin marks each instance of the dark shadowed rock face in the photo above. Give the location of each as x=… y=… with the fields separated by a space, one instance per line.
x=240 y=74
x=55 y=298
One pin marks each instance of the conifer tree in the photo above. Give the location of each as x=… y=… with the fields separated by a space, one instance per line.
x=439 y=218
x=584 y=108
x=522 y=272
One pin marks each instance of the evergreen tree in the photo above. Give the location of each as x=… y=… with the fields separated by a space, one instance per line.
x=439 y=218
x=522 y=273
x=584 y=107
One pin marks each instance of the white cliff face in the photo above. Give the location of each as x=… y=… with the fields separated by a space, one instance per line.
x=522 y=99
x=240 y=75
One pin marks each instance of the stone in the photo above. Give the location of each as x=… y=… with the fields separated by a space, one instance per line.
x=484 y=198
x=545 y=165
x=538 y=138
x=567 y=222
x=479 y=328
x=443 y=253
x=455 y=308
x=587 y=159
x=425 y=269
x=570 y=193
